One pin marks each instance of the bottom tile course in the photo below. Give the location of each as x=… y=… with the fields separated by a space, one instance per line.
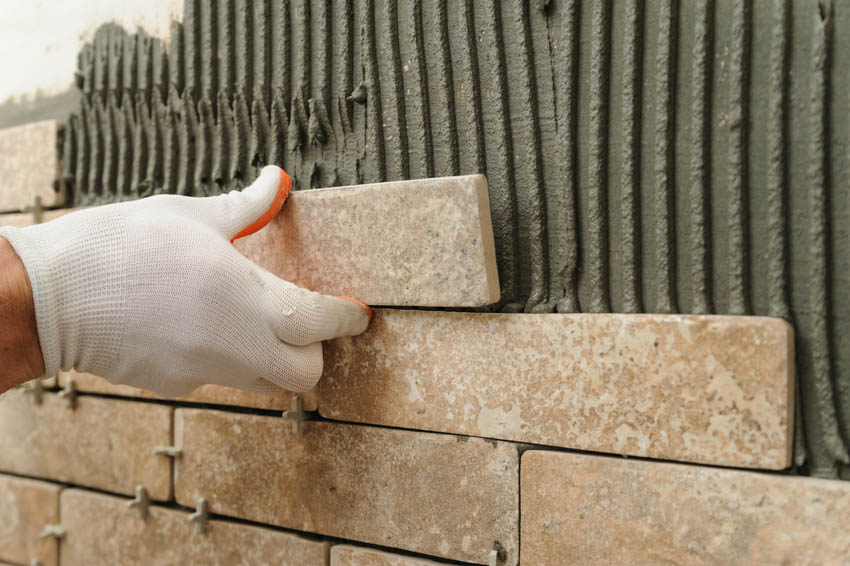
x=344 y=555
x=433 y=494
x=25 y=507
x=102 y=530
x=580 y=509
x=103 y=443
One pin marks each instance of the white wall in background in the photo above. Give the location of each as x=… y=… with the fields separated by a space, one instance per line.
x=39 y=39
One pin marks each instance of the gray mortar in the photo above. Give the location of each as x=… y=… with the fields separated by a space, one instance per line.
x=642 y=156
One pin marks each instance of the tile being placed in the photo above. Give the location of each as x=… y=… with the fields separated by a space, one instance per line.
x=345 y=555
x=102 y=530
x=434 y=494
x=212 y=394
x=104 y=443
x=595 y=510
x=26 y=506
x=425 y=242
x=29 y=165
x=711 y=389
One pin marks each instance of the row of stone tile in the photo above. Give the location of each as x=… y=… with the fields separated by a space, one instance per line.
x=466 y=496
x=101 y=529
x=576 y=509
x=709 y=389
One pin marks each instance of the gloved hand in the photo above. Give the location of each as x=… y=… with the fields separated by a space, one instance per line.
x=151 y=293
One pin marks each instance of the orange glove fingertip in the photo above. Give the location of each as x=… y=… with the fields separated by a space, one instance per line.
x=284 y=187
x=360 y=304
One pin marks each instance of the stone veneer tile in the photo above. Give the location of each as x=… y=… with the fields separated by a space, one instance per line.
x=345 y=555
x=425 y=242
x=213 y=394
x=583 y=509
x=103 y=443
x=713 y=389
x=102 y=530
x=25 y=507
x=433 y=494
x=29 y=165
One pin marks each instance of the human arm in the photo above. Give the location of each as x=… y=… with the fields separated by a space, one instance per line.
x=20 y=353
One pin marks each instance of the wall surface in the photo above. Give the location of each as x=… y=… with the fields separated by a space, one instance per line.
x=655 y=156
x=682 y=159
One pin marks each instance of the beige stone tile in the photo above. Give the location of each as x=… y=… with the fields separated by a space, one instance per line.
x=102 y=530
x=425 y=242
x=29 y=165
x=25 y=507
x=345 y=555
x=214 y=394
x=103 y=443
x=434 y=494
x=583 y=509
x=694 y=388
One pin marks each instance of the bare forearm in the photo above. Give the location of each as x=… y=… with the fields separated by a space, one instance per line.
x=20 y=353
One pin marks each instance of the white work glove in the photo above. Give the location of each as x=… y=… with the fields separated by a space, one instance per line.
x=151 y=293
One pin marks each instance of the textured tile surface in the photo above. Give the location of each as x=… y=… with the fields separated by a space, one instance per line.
x=433 y=494
x=25 y=507
x=214 y=394
x=582 y=509
x=101 y=530
x=103 y=443
x=425 y=242
x=703 y=389
x=345 y=555
x=29 y=164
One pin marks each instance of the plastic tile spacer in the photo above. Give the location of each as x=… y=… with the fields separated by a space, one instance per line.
x=37 y=210
x=296 y=415
x=141 y=502
x=497 y=555
x=170 y=451
x=55 y=531
x=69 y=392
x=36 y=389
x=200 y=516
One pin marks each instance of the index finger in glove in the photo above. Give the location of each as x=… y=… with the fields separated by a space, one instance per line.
x=302 y=317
